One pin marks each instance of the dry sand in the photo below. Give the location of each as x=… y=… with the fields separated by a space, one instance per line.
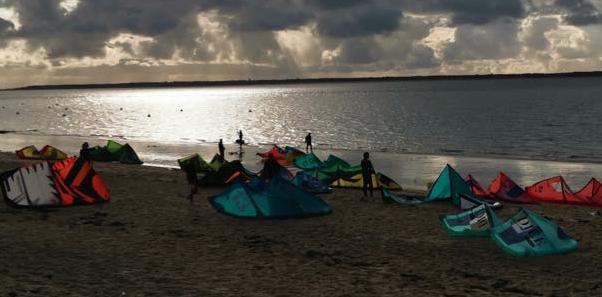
x=150 y=241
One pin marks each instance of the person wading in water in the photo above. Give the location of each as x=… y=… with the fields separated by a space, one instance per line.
x=308 y=146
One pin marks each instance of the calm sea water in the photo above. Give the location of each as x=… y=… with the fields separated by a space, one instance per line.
x=550 y=118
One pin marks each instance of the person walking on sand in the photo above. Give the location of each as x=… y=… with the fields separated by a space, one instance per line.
x=367 y=171
x=192 y=181
x=308 y=145
x=221 y=148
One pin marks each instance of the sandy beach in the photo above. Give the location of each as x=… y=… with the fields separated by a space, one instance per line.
x=150 y=241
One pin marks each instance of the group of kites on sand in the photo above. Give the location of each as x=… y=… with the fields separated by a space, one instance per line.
x=292 y=181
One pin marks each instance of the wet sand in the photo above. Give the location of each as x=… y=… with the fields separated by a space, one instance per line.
x=150 y=241
x=413 y=171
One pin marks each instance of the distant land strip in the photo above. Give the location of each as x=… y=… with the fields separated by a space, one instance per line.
x=180 y=84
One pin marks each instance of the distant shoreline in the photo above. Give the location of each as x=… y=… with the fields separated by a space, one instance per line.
x=180 y=84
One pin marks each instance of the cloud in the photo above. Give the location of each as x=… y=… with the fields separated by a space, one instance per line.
x=358 y=20
x=5 y=26
x=534 y=32
x=294 y=38
x=490 y=41
x=475 y=12
x=580 y=12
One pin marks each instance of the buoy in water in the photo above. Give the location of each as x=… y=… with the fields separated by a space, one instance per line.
x=148 y=115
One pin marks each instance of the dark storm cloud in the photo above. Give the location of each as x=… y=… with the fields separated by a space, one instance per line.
x=266 y=15
x=358 y=20
x=5 y=26
x=470 y=11
x=326 y=36
x=86 y=30
x=480 y=12
x=580 y=12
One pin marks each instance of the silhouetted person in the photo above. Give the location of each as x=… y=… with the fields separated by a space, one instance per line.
x=308 y=145
x=270 y=168
x=84 y=152
x=192 y=181
x=367 y=171
x=221 y=148
x=240 y=141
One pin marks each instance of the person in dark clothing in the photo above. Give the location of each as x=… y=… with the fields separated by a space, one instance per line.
x=84 y=152
x=221 y=148
x=367 y=171
x=270 y=168
x=192 y=181
x=240 y=141
x=308 y=145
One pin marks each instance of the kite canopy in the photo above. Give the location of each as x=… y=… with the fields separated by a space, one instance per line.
x=217 y=162
x=277 y=199
x=334 y=168
x=47 y=153
x=357 y=181
x=310 y=183
x=505 y=189
x=476 y=188
x=277 y=153
x=284 y=157
x=218 y=172
x=555 y=190
x=476 y=221
x=388 y=196
x=69 y=182
x=308 y=162
x=592 y=191
x=529 y=234
x=292 y=153
x=194 y=164
x=449 y=185
x=227 y=173
x=114 y=152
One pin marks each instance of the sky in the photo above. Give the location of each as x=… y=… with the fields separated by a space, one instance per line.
x=109 y=41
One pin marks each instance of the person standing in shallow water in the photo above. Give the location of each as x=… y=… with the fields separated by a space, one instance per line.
x=308 y=145
x=240 y=140
x=221 y=148
x=367 y=171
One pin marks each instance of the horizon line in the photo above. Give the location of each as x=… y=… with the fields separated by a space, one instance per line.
x=241 y=82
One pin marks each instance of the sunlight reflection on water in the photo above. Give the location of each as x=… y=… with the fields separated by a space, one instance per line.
x=545 y=119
